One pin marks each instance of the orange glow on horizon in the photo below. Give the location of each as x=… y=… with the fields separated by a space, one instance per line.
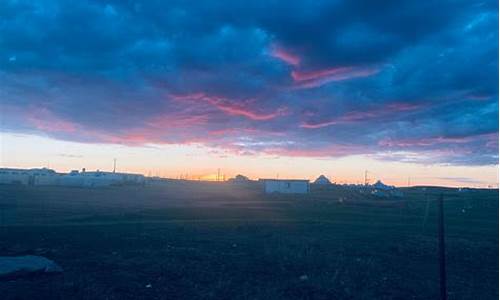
x=195 y=162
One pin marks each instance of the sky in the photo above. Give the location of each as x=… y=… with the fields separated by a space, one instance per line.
x=403 y=89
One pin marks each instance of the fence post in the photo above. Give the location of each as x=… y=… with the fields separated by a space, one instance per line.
x=441 y=249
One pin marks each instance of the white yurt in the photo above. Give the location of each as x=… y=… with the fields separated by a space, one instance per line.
x=383 y=187
x=322 y=180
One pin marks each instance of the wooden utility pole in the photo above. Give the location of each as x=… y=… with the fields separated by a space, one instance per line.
x=441 y=250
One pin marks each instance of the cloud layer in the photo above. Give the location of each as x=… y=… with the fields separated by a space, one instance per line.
x=398 y=80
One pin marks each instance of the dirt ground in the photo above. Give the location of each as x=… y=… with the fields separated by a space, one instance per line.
x=182 y=240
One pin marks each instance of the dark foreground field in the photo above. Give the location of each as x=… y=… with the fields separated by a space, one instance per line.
x=217 y=241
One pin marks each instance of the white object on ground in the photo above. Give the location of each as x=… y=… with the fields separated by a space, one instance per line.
x=18 y=266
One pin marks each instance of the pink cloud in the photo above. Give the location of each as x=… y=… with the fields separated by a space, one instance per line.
x=238 y=110
x=177 y=121
x=489 y=138
x=319 y=125
x=193 y=96
x=245 y=131
x=328 y=151
x=401 y=106
x=143 y=136
x=160 y=129
x=43 y=119
x=302 y=76
x=174 y=128
x=355 y=116
x=479 y=97
x=318 y=78
x=232 y=108
x=492 y=142
x=285 y=55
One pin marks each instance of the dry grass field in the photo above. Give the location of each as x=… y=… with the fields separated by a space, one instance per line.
x=193 y=240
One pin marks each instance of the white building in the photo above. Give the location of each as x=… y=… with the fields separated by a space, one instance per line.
x=46 y=176
x=14 y=176
x=41 y=176
x=286 y=186
x=100 y=178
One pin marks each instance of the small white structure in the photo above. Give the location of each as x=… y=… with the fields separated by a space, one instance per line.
x=322 y=180
x=383 y=187
x=12 y=267
x=286 y=186
x=44 y=176
x=385 y=191
x=239 y=179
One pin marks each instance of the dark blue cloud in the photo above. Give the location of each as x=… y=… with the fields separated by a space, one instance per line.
x=399 y=80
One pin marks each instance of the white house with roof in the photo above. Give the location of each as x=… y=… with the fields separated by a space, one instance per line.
x=285 y=186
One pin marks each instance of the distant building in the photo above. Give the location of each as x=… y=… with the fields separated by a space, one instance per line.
x=46 y=176
x=100 y=178
x=380 y=186
x=322 y=180
x=14 y=176
x=41 y=176
x=239 y=179
x=385 y=191
x=286 y=186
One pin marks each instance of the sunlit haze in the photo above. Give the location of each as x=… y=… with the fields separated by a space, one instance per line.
x=198 y=162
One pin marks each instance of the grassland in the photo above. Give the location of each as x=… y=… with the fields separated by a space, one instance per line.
x=183 y=240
